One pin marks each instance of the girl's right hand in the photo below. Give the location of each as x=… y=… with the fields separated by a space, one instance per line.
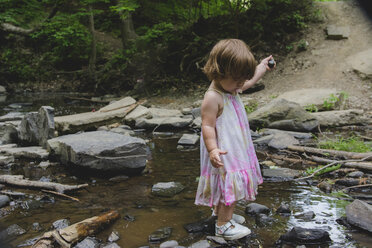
x=214 y=156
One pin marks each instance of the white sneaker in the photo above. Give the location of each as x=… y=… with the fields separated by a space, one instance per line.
x=232 y=231
x=236 y=217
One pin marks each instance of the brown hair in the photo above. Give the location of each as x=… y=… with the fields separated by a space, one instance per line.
x=230 y=58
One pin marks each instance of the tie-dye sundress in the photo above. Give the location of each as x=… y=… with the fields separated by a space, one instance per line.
x=241 y=175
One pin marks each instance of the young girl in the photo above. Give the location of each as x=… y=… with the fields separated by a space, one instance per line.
x=228 y=164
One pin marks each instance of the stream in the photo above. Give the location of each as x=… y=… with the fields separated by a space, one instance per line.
x=141 y=212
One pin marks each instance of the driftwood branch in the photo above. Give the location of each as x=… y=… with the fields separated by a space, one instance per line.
x=291 y=160
x=18 y=180
x=325 y=152
x=358 y=164
x=60 y=194
x=70 y=235
x=357 y=186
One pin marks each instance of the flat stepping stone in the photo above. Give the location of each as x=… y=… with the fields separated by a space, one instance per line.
x=337 y=32
x=362 y=63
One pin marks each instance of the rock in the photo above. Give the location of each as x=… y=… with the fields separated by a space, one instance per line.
x=92 y=120
x=60 y=224
x=186 y=111
x=188 y=139
x=283 y=209
x=2 y=90
x=111 y=245
x=306 y=216
x=359 y=213
x=264 y=220
x=196 y=123
x=200 y=244
x=255 y=209
x=337 y=32
x=138 y=112
x=101 y=150
x=280 y=174
x=12 y=116
x=310 y=97
x=29 y=242
x=169 y=244
x=167 y=189
x=196 y=112
x=265 y=140
x=300 y=236
x=282 y=141
x=45 y=125
x=122 y=131
x=205 y=226
x=217 y=240
x=355 y=174
x=340 y=118
x=28 y=129
x=114 y=236
x=348 y=182
x=159 y=112
x=5 y=160
x=88 y=242
x=160 y=234
x=4 y=200
x=8 y=133
x=326 y=187
x=11 y=232
x=163 y=123
x=362 y=63
x=36 y=227
x=29 y=152
x=119 y=178
x=298 y=135
x=284 y=114
x=122 y=103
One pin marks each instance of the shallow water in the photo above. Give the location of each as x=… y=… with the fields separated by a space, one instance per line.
x=133 y=197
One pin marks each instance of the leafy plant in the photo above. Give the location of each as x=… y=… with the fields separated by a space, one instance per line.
x=350 y=144
x=311 y=108
x=251 y=107
x=311 y=170
x=329 y=103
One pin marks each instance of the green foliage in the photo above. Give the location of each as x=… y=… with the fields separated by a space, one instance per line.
x=350 y=144
x=311 y=108
x=251 y=107
x=159 y=33
x=311 y=170
x=329 y=103
x=65 y=39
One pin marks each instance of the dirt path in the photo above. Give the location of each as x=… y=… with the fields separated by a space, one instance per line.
x=322 y=65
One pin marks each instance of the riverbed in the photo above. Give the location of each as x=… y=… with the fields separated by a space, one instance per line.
x=142 y=213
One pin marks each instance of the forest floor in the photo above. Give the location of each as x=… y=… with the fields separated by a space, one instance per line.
x=323 y=65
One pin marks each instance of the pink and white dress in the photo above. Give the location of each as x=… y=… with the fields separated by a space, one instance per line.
x=241 y=174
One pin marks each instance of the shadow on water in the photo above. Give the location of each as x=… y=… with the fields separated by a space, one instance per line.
x=132 y=198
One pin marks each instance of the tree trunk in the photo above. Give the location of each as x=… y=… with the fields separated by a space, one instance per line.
x=127 y=30
x=93 y=54
x=70 y=235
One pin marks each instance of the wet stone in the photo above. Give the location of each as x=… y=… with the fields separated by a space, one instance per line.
x=359 y=213
x=217 y=240
x=284 y=209
x=306 y=216
x=114 y=236
x=280 y=174
x=29 y=242
x=111 y=245
x=60 y=224
x=255 y=209
x=201 y=244
x=12 y=232
x=167 y=189
x=169 y=244
x=325 y=187
x=206 y=226
x=355 y=174
x=301 y=236
x=88 y=242
x=160 y=234
x=129 y=218
x=4 y=200
x=36 y=226
x=188 y=139
x=264 y=220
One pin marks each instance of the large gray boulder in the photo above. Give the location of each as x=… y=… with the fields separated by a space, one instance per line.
x=8 y=133
x=359 y=213
x=101 y=150
x=282 y=114
x=362 y=63
x=339 y=118
x=37 y=127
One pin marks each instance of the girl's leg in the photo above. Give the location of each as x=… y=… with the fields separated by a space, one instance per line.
x=224 y=213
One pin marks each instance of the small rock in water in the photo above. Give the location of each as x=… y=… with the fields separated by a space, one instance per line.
x=264 y=220
x=129 y=218
x=160 y=234
x=114 y=236
x=217 y=240
x=167 y=189
x=284 y=209
x=255 y=209
x=301 y=236
x=4 y=200
x=201 y=244
x=111 y=245
x=169 y=244
x=88 y=242
x=60 y=224
x=36 y=226
x=306 y=216
x=11 y=232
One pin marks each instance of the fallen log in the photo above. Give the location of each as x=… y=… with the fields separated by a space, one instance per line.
x=291 y=160
x=68 y=236
x=18 y=180
x=348 y=163
x=327 y=152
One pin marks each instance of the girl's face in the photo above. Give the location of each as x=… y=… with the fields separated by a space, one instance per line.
x=231 y=85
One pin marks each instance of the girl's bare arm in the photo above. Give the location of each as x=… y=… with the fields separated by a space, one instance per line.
x=258 y=74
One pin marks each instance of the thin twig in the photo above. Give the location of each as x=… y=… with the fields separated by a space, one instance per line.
x=60 y=194
x=357 y=186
